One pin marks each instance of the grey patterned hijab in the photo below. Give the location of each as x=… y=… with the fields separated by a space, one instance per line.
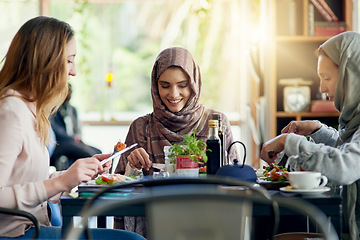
x=163 y=127
x=185 y=119
x=344 y=50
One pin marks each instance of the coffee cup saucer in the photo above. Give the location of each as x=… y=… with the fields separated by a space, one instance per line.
x=319 y=190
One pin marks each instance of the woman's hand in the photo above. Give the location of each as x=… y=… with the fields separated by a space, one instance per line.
x=304 y=128
x=272 y=147
x=82 y=170
x=139 y=158
x=106 y=167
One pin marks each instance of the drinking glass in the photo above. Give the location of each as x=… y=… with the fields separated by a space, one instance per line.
x=161 y=174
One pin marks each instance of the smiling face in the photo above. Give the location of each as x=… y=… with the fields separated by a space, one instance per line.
x=174 y=88
x=70 y=57
x=328 y=74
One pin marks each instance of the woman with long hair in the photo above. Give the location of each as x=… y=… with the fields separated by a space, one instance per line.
x=33 y=84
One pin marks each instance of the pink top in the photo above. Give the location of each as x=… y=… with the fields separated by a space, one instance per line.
x=24 y=165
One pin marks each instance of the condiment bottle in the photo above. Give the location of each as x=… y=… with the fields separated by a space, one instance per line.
x=217 y=116
x=213 y=144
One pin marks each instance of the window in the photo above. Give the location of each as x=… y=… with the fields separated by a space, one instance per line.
x=13 y=14
x=124 y=37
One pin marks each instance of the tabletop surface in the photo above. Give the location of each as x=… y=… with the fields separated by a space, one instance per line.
x=329 y=202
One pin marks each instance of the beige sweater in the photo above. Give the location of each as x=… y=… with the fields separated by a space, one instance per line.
x=24 y=165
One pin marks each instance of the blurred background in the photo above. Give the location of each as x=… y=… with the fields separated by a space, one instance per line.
x=118 y=41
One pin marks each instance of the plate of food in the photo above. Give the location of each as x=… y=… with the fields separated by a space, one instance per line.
x=104 y=181
x=273 y=177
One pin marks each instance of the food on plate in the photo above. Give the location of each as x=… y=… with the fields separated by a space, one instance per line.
x=120 y=146
x=260 y=172
x=275 y=173
x=108 y=178
x=202 y=169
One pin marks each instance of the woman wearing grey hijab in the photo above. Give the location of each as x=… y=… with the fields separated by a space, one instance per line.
x=334 y=153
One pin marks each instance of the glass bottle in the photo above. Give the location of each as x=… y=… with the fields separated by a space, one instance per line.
x=169 y=162
x=217 y=116
x=213 y=144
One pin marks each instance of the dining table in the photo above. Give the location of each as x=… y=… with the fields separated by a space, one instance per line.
x=329 y=202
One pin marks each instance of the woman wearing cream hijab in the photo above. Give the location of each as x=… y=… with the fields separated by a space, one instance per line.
x=335 y=153
x=175 y=91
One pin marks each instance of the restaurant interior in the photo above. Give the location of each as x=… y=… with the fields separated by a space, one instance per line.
x=258 y=66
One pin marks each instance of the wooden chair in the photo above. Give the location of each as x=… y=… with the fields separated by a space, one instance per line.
x=326 y=230
x=298 y=236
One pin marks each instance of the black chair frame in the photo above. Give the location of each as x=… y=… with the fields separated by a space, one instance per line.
x=32 y=218
x=214 y=180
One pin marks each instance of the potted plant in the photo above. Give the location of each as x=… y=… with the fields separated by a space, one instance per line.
x=188 y=155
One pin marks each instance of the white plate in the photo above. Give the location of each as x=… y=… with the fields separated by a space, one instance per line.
x=84 y=187
x=263 y=180
x=306 y=191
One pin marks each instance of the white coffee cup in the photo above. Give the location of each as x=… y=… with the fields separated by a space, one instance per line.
x=307 y=180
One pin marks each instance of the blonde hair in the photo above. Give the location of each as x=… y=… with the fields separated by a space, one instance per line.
x=35 y=66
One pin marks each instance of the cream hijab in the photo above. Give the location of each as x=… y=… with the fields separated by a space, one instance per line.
x=344 y=50
x=185 y=120
x=163 y=127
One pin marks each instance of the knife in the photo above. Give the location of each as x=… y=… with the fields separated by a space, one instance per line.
x=117 y=154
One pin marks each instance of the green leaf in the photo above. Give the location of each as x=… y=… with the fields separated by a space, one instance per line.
x=190 y=146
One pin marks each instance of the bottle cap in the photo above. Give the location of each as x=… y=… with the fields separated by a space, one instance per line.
x=216 y=116
x=213 y=123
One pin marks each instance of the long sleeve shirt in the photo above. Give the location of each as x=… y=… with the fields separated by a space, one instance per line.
x=24 y=165
x=339 y=162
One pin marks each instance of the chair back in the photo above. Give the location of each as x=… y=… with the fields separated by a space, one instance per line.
x=32 y=218
x=326 y=229
x=199 y=216
x=204 y=208
x=199 y=208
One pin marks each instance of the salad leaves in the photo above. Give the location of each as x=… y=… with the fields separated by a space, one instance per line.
x=275 y=173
